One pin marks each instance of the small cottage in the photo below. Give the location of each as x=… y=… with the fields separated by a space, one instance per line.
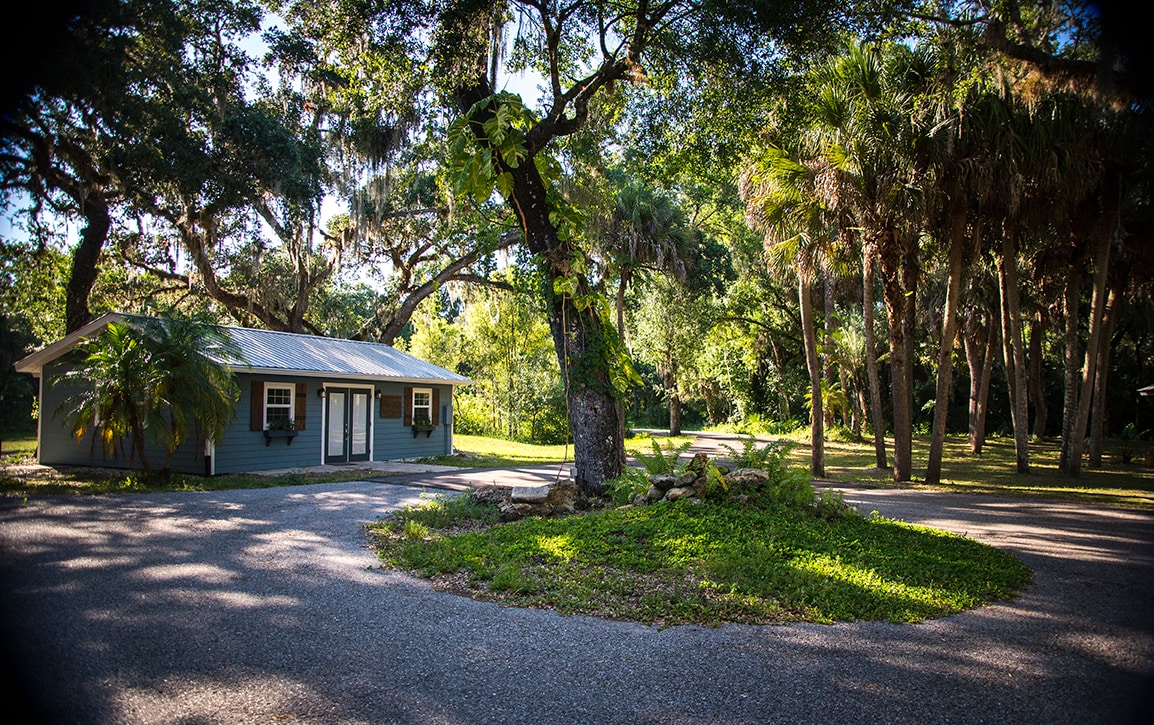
x=305 y=400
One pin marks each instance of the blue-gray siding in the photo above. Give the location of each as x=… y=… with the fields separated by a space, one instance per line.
x=245 y=450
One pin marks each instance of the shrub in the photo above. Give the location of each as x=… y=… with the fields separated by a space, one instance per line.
x=623 y=489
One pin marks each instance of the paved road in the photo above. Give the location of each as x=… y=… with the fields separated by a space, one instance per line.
x=264 y=606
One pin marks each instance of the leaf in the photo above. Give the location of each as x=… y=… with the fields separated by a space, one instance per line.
x=505 y=184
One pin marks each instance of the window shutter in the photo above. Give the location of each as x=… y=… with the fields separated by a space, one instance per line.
x=301 y=405
x=408 y=403
x=256 y=412
x=436 y=406
x=392 y=406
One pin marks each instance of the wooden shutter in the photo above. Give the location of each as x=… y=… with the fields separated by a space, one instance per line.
x=407 y=402
x=392 y=406
x=436 y=406
x=256 y=413
x=301 y=405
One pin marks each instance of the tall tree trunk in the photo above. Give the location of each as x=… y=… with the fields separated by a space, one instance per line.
x=1105 y=240
x=671 y=394
x=809 y=335
x=85 y=262
x=875 y=387
x=946 y=351
x=1071 y=299
x=982 y=342
x=828 y=358
x=1098 y=416
x=891 y=256
x=1037 y=394
x=1014 y=350
x=579 y=337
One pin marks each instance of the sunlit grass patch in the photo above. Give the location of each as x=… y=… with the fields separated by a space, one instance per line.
x=709 y=563
x=993 y=472
x=482 y=452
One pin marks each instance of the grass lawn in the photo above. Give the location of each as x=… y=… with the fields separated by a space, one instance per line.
x=714 y=562
x=1116 y=483
x=480 y=452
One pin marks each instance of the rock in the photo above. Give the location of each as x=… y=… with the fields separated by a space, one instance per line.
x=490 y=494
x=530 y=494
x=663 y=481
x=640 y=500
x=686 y=479
x=679 y=492
x=563 y=497
x=698 y=463
x=747 y=479
x=654 y=493
x=511 y=511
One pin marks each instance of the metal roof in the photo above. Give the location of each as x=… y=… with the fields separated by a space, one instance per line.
x=285 y=353
x=308 y=354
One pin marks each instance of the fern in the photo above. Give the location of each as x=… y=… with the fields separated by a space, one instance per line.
x=770 y=457
x=662 y=461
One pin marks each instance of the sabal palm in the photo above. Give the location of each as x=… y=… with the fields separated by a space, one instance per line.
x=196 y=395
x=781 y=200
x=870 y=135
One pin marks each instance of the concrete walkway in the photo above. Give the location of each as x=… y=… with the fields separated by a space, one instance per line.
x=266 y=606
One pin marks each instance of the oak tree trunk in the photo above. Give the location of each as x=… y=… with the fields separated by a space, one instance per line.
x=85 y=262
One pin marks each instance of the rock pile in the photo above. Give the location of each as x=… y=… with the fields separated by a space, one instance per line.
x=694 y=483
x=520 y=501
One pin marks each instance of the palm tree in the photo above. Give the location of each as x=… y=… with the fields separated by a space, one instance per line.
x=196 y=395
x=868 y=129
x=780 y=200
x=158 y=379
x=112 y=379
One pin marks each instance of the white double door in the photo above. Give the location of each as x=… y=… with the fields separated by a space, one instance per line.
x=347 y=424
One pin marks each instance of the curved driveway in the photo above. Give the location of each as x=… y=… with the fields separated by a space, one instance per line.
x=265 y=606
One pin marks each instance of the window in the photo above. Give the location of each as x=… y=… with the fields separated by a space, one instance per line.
x=422 y=405
x=278 y=406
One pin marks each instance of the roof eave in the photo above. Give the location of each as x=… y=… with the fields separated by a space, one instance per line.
x=34 y=363
x=331 y=375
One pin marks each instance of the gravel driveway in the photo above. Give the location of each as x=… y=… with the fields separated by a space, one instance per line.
x=264 y=606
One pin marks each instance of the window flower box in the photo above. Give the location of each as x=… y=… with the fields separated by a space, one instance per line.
x=423 y=425
x=280 y=429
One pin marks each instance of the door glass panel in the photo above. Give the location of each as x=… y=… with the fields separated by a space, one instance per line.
x=336 y=425
x=359 y=435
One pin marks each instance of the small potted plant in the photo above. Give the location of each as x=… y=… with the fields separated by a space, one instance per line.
x=280 y=429
x=421 y=424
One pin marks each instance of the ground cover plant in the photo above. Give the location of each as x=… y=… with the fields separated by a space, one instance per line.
x=676 y=563
x=769 y=558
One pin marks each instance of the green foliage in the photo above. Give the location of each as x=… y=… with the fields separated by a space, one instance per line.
x=770 y=457
x=164 y=379
x=713 y=563
x=443 y=511
x=663 y=460
x=494 y=125
x=623 y=489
